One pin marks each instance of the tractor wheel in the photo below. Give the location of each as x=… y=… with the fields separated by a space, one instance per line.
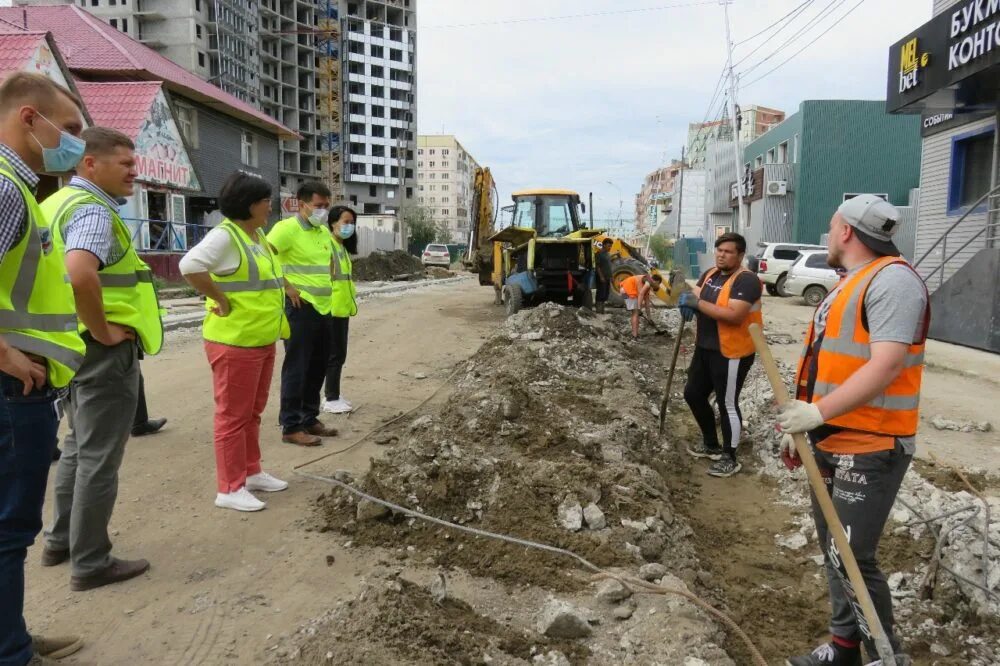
x=513 y=299
x=625 y=269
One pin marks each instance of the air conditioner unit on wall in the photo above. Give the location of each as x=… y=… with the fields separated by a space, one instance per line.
x=777 y=188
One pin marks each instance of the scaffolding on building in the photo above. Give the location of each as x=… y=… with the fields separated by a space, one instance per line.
x=328 y=49
x=234 y=43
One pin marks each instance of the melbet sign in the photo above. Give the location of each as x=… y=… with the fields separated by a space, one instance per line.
x=950 y=63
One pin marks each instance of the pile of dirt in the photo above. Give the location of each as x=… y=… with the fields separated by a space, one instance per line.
x=380 y=266
x=552 y=415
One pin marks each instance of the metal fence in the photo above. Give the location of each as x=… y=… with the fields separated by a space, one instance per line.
x=375 y=240
x=162 y=236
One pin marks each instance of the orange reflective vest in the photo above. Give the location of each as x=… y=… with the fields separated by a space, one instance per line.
x=734 y=339
x=845 y=347
x=632 y=285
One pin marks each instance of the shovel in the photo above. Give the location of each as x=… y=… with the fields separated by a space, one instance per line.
x=670 y=375
x=855 y=587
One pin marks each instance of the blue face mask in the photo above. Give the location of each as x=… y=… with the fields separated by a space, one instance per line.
x=63 y=157
x=346 y=231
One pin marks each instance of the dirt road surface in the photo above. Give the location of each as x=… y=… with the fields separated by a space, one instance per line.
x=224 y=584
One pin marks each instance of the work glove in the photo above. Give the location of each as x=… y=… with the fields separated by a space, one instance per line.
x=688 y=305
x=799 y=416
x=789 y=454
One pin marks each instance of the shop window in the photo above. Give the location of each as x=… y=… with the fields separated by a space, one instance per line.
x=249 y=149
x=971 y=161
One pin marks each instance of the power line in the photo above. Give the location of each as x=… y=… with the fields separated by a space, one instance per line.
x=801 y=8
x=818 y=37
x=811 y=23
x=538 y=19
x=758 y=34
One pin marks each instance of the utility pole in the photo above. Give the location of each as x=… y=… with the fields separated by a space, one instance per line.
x=680 y=195
x=732 y=119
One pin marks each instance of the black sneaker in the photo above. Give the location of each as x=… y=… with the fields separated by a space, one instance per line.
x=701 y=451
x=829 y=654
x=724 y=468
x=901 y=660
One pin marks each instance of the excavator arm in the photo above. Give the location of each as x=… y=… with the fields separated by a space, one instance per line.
x=479 y=257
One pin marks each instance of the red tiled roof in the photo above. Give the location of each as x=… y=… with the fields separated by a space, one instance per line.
x=15 y=49
x=90 y=46
x=121 y=106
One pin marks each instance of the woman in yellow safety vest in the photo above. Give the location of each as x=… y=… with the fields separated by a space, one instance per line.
x=343 y=224
x=234 y=268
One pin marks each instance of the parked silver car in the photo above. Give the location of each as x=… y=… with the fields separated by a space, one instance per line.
x=811 y=277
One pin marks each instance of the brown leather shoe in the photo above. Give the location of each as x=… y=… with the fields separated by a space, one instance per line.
x=56 y=647
x=321 y=430
x=116 y=572
x=53 y=558
x=301 y=438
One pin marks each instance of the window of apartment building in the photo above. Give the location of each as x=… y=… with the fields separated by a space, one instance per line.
x=420 y=200
x=125 y=25
x=420 y=164
x=94 y=3
x=356 y=108
x=372 y=191
x=197 y=31
x=433 y=187
x=409 y=173
x=197 y=5
x=357 y=169
x=357 y=128
x=356 y=88
x=432 y=176
x=770 y=156
x=409 y=155
x=378 y=130
x=248 y=146
x=420 y=187
x=377 y=51
x=378 y=170
x=377 y=71
x=114 y=23
x=433 y=200
x=758 y=162
x=420 y=151
x=971 y=161
x=356 y=47
x=783 y=152
x=357 y=149
x=395 y=34
x=445 y=199
x=445 y=212
x=432 y=151
x=201 y=59
x=444 y=165
x=409 y=193
x=378 y=111
x=396 y=55
x=445 y=187
x=446 y=175
x=394 y=172
x=378 y=91
x=431 y=164
x=378 y=150
x=187 y=123
x=355 y=67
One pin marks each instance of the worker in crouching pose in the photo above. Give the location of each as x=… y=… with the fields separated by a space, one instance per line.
x=638 y=291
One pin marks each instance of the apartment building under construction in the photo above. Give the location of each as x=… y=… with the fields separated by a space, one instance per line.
x=342 y=73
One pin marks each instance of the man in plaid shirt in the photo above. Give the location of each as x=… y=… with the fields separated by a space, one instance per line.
x=39 y=125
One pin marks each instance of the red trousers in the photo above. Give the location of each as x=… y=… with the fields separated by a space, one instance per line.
x=241 y=378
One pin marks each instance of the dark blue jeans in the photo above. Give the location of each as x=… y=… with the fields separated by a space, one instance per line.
x=28 y=427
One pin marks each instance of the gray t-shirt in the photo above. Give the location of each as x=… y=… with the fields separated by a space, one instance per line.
x=895 y=306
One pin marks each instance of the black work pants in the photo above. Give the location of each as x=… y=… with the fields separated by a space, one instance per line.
x=338 y=356
x=603 y=291
x=711 y=372
x=863 y=487
x=306 y=353
x=141 y=410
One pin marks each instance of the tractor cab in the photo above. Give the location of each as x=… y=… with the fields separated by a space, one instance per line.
x=549 y=213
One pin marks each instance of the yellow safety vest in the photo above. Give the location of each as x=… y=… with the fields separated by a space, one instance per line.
x=37 y=309
x=126 y=285
x=306 y=264
x=256 y=296
x=344 y=302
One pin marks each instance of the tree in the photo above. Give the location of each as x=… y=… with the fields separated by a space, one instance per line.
x=662 y=249
x=421 y=225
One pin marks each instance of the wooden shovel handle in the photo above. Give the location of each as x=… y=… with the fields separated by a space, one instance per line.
x=836 y=528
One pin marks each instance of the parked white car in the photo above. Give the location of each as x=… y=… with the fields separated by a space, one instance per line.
x=436 y=254
x=773 y=261
x=811 y=277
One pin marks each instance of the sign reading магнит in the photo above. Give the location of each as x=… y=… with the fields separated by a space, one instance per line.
x=948 y=64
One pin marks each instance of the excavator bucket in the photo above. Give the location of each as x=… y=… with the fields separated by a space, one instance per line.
x=673 y=286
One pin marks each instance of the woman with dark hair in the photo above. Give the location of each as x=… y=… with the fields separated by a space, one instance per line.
x=342 y=221
x=234 y=268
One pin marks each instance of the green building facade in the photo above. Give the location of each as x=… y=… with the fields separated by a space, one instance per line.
x=831 y=149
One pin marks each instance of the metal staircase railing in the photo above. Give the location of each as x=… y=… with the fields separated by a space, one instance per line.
x=991 y=229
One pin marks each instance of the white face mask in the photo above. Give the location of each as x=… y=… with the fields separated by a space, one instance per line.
x=318 y=217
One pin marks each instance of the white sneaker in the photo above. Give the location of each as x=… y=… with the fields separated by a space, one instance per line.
x=241 y=500
x=266 y=482
x=337 y=407
x=347 y=402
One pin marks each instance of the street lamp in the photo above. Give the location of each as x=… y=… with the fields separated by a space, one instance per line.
x=620 y=202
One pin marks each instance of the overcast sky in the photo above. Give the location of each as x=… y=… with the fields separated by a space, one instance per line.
x=578 y=102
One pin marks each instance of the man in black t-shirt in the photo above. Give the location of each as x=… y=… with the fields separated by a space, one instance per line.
x=726 y=301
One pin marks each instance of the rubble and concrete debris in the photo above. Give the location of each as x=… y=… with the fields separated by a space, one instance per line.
x=623 y=612
x=368 y=510
x=652 y=571
x=560 y=619
x=794 y=541
x=594 y=517
x=942 y=423
x=551 y=658
x=386 y=266
x=570 y=514
x=612 y=592
x=386 y=438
